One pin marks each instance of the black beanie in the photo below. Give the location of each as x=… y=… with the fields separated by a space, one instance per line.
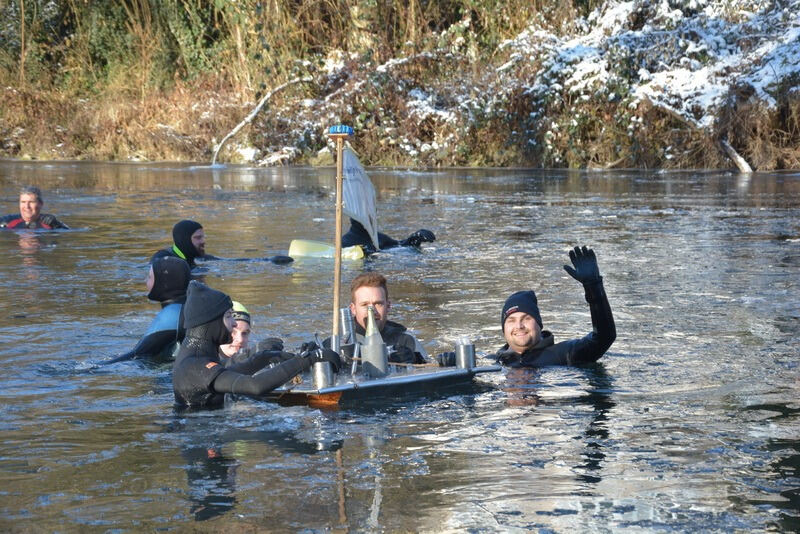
x=171 y=277
x=203 y=304
x=521 y=301
x=182 y=236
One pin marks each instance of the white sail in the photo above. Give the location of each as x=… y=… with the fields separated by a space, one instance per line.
x=359 y=195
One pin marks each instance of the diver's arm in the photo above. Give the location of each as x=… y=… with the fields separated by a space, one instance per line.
x=49 y=221
x=259 y=360
x=260 y=383
x=591 y=347
x=149 y=346
x=585 y=270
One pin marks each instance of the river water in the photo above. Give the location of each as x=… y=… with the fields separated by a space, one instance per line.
x=691 y=421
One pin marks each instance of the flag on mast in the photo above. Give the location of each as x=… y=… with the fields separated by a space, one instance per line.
x=359 y=195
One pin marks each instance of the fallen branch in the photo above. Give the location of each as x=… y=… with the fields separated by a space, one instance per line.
x=738 y=160
x=255 y=111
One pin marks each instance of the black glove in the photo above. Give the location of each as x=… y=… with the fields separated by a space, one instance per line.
x=308 y=346
x=270 y=343
x=446 y=359
x=418 y=237
x=585 y=262
x=323 y=355
x=280 y=259
x=402 y=355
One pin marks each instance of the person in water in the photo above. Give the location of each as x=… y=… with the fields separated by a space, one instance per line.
x=199 y=376
x=358 y=235
x=30 y=214
x=189 y=243
x=167 y=281
x=370 y=289
x=528 y=345
x=239 y=349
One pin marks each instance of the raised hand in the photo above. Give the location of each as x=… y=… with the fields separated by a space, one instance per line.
x=585 y=268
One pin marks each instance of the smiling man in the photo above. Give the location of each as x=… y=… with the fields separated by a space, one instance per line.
x=528 y=345
x=30 y=214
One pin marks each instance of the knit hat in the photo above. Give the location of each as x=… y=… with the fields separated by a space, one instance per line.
x=182 y=236
x=521 y=301
x=203 y=304
x=240 y=313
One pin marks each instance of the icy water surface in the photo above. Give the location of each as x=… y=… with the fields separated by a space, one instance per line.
x=690 y=422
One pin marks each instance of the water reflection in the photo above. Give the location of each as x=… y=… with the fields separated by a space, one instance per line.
x=213 y=456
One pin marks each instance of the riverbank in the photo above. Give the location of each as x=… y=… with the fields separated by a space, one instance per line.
x=630 y=85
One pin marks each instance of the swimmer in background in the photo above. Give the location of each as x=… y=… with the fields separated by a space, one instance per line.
x=167 y=281
x=189 y=243
x=30 y=214
x=358 y=235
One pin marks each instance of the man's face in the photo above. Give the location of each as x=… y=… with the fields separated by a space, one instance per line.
x=241 y=338
x=521 y=331
x=199 y=241
x=370 y=296
x=29 y=207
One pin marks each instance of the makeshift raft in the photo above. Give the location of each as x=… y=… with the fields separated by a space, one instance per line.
x=354 y=389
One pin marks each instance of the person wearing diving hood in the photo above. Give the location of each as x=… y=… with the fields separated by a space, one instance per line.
x=167 y=281
x=358 y=235
x=199 y=377
x=189 y=243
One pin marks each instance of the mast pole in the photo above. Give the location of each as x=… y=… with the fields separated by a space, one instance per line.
x=339 y=133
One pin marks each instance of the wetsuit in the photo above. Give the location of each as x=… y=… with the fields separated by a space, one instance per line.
x=358 y=235
x=403 y=347
x=199 y=377
x=587 y=349
x=268 y=352
x=160 y=341
x=183 y=247
x=45 y=221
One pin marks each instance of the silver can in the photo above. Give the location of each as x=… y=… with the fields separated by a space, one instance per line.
x=465 y=354
x=323 y=375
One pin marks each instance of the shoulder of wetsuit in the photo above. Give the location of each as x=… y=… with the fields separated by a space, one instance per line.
x=393 y=327
x=168 y=319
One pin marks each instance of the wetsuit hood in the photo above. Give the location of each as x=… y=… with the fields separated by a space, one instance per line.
x=211 y=334
x=182 y=236
x=170 y=279
x=204 y=305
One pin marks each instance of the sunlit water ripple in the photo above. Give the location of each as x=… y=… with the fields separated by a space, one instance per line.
x=691 y=421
